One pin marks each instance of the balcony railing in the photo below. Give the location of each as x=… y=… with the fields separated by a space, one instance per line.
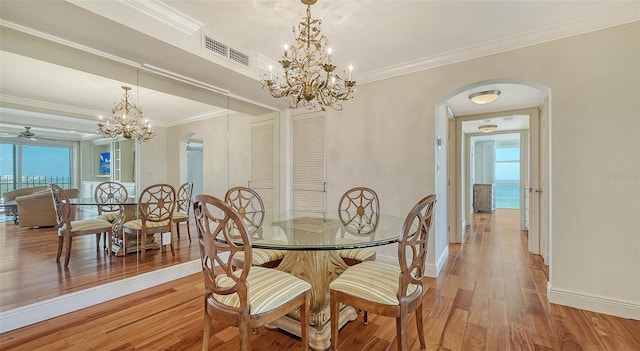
x=8 y=183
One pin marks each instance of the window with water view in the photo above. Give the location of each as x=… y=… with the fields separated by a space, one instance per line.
x=25 y=165
x=507 y=172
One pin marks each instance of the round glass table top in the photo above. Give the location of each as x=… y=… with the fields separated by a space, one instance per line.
x=295 y=230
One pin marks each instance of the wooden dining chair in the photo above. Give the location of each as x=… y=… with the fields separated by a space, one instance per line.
x=252 y=296
x=67 y=228
x=385 y=289
x=250 y=208
x=183 y=208
x=359 y=212
x=109 y=195
x=156 y=205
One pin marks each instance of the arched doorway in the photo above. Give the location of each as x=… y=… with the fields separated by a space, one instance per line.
x=516 y=98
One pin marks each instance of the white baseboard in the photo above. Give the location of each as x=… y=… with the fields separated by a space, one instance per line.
x=392 y=260
x=433 y=271
x=595 y=303
x=57 y=306
x=430 y=270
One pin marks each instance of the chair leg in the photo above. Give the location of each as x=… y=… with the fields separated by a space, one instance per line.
x=124 y=243
x=143 y=243
x=108 y=237
x=334 y=303
x=173 y=251
x=244 y=331
x=423 y=344
x=401 y=331
x=304 y=321
x=207 y=332
x=67 y=256
x=60 y=243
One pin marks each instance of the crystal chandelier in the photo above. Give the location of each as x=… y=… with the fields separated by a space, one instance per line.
x=309 y=76
x=126 y=121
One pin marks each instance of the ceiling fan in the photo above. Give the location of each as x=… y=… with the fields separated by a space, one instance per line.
x=28 y=134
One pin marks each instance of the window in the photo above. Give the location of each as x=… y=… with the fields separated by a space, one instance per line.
x=507 y=171
x=28 y=165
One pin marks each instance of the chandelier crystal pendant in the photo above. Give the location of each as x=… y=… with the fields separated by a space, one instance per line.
x=126 y=121
x=309 y=77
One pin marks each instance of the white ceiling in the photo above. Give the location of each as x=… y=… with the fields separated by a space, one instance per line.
x=380 y=38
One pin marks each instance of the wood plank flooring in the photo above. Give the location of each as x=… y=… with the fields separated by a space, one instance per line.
x=29 y=272
x=491 y=295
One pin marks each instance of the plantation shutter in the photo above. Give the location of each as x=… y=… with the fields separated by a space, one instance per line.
x=308 y=164
x=262 y=159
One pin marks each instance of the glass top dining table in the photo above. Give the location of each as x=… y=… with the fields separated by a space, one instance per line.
x=314 y=231
x=128 y=211
x=312 y=241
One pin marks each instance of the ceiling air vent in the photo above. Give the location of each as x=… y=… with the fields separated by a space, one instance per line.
x=215 y=46
x=239 y=57
x=219 y=48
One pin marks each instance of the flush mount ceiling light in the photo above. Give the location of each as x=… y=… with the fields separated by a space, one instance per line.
x=484 y=97
x=487 y=128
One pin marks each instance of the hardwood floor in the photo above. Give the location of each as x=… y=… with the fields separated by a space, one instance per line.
x=29 y=272
x=491 y=295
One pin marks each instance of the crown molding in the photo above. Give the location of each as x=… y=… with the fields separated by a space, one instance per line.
x=10 y=101
x=219 y=113
x=165 y=14
x=620 y=16
x=71 y=44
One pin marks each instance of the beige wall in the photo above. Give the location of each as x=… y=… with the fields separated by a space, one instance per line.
x=385 y=139
x=226 y=151
x=153 y=160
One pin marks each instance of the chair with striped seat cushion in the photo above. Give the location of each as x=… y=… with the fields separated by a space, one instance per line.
x=262 y=257
x=251 y=296
x=359 y=211
x=156 y=206
x=67 y=229
x=183 y=208
x=109 y=195
x=249 y=206
x=355 y=256
x=389 y=290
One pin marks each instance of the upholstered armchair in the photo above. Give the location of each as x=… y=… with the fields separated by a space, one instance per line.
x=36 y=210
